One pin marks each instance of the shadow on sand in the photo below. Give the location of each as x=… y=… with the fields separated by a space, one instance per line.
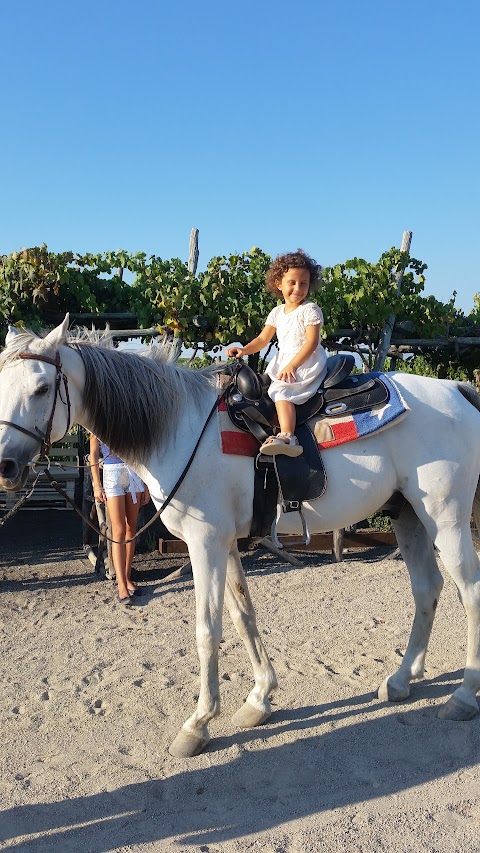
x=211 y=805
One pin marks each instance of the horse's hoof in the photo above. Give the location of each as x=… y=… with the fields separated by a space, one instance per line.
x=187 y=745
x=456 y=709
x=389 y=692
x=247 y=717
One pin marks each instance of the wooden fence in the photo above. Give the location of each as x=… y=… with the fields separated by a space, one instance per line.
x=64 y=453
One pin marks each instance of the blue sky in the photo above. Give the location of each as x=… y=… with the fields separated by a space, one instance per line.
x=333 y=126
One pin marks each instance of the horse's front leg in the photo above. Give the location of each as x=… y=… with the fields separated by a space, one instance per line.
x=256 y=708
x=209 y=570
x=427 y=582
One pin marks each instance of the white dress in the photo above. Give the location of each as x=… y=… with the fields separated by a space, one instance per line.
x=291 y=337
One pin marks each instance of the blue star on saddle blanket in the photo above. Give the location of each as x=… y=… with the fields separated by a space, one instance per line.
x=329 y=432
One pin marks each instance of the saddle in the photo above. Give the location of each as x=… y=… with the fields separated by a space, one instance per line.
x=281 y=480
x=251 y=409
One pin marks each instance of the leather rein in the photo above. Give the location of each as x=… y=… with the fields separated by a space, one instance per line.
x=45 y=441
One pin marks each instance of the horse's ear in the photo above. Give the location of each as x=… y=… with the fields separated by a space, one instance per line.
x=11 y=335
x=58 y=336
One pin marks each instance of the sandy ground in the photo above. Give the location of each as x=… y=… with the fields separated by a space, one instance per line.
x=93 y=694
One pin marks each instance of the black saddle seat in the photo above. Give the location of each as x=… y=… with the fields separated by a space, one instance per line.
x=252 y=386
x=251 y=409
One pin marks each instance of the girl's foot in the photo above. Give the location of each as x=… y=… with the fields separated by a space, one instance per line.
x=283 y=443
x=126 y=601
x=134 y=590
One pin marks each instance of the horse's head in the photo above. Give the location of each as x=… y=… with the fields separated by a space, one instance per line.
x=29 y=385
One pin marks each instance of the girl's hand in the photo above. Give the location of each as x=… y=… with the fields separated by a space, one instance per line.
x=287 y=374
x=144 y=497
x=99 y=495
x=235 y=352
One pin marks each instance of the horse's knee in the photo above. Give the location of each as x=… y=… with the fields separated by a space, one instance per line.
x=208 y=640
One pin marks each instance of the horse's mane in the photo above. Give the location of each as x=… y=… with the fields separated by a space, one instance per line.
x=133 y=400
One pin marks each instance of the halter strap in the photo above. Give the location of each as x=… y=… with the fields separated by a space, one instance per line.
x=55 y=361
x=44 y=438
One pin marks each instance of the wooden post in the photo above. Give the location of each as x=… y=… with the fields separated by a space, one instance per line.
x=193 y=251
x=385 y=337
x=381 y=354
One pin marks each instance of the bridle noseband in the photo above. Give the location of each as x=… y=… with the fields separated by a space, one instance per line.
x=45 y=438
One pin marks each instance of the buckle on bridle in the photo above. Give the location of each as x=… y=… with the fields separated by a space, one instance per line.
x=45 y=462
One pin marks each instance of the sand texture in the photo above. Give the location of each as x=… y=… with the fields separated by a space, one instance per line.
x=93 y=694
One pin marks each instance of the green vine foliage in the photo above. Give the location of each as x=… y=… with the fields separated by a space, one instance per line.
x=443 y=367
x=228 y=301
x=361 y=295
x=37 y=285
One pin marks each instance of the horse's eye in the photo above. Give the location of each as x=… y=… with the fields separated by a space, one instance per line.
x=42 y=390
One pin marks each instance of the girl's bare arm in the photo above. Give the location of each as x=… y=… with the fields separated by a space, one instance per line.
x=287 y=374
x=256 y=345
x=95 y=469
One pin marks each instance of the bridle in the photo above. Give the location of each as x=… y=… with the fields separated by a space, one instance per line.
x=45 y=438
x=45 y=441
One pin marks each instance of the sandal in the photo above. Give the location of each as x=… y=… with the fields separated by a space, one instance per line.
x=135 y=591
x=126 y=602
x=283 y=443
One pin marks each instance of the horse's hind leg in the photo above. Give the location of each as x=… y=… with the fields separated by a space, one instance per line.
x=256 y=708
x=419 y=555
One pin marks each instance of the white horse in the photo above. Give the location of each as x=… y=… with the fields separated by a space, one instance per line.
x=151 y=413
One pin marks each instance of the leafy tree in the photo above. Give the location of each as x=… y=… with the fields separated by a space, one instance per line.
x=36 y=284
x=228 y=301
x=424 y=365
x=361 y=295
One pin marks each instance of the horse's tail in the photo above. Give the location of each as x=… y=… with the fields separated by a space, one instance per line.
x=476 y=508
x=470 y=394
x=473 y=397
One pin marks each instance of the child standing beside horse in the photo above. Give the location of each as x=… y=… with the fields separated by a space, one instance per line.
x=125 y=493
x=299 y=366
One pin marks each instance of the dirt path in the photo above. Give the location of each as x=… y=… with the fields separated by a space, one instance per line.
x=92 y=695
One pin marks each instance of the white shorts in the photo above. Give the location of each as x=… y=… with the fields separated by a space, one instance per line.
x=119 y=479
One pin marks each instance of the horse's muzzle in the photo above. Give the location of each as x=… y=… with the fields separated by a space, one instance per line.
x=12 y=477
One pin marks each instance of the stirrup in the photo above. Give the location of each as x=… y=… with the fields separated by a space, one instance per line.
x=293 y=506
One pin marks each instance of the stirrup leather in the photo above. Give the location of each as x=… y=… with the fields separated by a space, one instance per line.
x=290 y=505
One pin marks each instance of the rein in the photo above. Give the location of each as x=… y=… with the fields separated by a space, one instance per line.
x=166 y=502
x=45 y=441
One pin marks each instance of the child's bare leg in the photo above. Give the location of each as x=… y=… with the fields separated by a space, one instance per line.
x=131 y=514
x=116 y=511
x=287 y=416
x=285 y=441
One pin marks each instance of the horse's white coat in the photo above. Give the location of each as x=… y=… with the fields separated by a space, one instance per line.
x=432 y=456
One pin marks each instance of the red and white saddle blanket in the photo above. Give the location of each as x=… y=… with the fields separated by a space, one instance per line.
x=328 y=432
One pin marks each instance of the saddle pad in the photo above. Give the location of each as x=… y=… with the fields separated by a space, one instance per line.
x=329 y=432
x=234 y=441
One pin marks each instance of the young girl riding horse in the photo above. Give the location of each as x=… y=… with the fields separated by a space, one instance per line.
x=299 y=366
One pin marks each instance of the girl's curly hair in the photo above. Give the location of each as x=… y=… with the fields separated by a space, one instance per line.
x=292 y=260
